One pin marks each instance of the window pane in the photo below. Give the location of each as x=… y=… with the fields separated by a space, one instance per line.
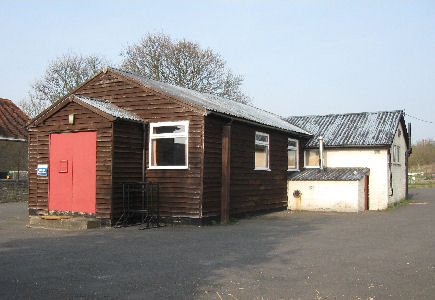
x=261 y=138
x=169 y=129
x=292 y=143
x=261 y=156
x=312 y=158
x=169 y=152
x=292 y=159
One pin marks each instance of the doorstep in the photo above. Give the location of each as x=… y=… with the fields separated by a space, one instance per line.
x=63 y=222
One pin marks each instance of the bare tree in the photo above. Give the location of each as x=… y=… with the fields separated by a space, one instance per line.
x=62 y=75
x=32 y=107
x=183 y=63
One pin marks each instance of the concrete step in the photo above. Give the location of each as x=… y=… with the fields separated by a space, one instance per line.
x=63 y=222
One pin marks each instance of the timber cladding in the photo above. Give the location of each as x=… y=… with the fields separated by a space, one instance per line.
x=250 y=190
x=127 y=160
x=180 y=190
x=119 y=148
x=39 y=139
x=211 y=201
x=123 y=153
x=253 y=190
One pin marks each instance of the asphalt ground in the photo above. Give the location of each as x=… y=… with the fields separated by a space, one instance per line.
x=285 y=255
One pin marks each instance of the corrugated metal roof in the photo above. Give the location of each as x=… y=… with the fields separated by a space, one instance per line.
x=329 y=174
x=355 y=129
x=109 y=108
x=218 y=104
x=12 y=120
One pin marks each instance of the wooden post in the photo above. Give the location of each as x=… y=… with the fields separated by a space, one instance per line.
x=226 y=157
x=366 y=192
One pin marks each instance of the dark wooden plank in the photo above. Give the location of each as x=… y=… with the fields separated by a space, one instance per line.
x=39 y=154
x=226 y=183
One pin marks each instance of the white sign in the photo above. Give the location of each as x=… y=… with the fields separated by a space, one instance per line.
x=42 y=170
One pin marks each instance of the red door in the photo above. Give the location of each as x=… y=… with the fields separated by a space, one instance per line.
x=72 y=172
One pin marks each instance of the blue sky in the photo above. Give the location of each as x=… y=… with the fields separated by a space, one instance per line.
x=298 y=57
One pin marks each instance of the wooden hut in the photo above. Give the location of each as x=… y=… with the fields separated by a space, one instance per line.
x=212 y=157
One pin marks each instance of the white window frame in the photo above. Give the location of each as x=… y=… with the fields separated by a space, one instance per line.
x=260 y=143
x=297 y=154
x=168 y=135
x=305 y=160
x=396 y=155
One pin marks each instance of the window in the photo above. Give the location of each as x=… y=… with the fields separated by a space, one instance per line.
x=261 y=151
x=169 y=145
x=293 y=154
x=311 y=158
x=396 y=154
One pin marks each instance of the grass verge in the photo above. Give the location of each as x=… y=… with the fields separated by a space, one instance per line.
x=401 y=202
x=421 y=185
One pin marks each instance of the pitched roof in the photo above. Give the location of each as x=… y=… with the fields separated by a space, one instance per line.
x=329 y=174
x=217 y=104
x=12 y=121
x=109 y=108
x=355 y=129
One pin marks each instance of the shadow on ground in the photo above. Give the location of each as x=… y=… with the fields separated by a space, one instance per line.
x=173 y=262
x=380 y=255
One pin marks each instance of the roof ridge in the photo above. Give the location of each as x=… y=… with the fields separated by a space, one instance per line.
x=247 y=104
x=175 y=86
x=204 y=93
x=205 y=101
x=91 y=98
x=6 y=100
x=353 y=129
x=348 y=114
x=135 y=74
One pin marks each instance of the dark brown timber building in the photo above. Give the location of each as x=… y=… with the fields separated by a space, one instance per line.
x=211 y=157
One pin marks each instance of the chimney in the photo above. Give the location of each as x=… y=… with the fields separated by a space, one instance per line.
x=409 y=134
x=321 y=152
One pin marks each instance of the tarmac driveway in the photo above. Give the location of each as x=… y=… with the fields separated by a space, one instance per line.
x=285 y=255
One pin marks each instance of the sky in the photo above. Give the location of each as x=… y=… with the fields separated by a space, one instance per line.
x=297 y=57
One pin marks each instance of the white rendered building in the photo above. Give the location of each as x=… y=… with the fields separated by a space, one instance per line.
x=364 y=162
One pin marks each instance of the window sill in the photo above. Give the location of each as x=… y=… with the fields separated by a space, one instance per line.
x=312 y=167
x=293 y=170
x=169 y=168
x=262 y=169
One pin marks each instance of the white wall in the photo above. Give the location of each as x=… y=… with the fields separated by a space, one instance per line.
x=342 y=196
x=381 y=193
x=376 y=160
x=398 y=170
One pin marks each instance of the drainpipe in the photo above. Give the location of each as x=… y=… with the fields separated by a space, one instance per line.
x=321 y=152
